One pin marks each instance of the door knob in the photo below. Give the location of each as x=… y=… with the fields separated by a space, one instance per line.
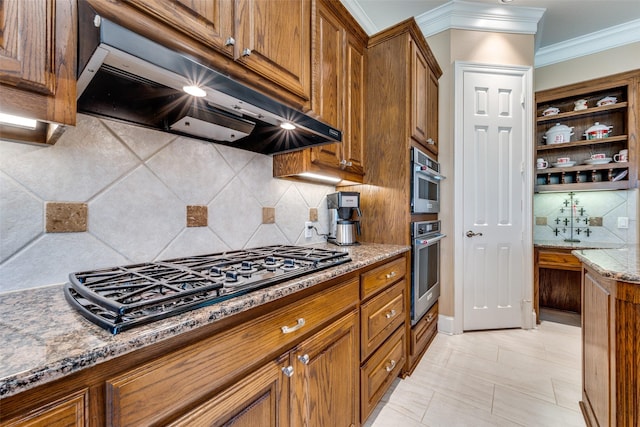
x=472 y=234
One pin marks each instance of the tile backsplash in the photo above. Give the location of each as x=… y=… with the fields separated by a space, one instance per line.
x=600 y=213
x=140 y=186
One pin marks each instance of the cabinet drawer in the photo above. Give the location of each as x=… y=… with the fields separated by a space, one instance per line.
x=424 y=331
x=558 y=260
x=378 y=278
x=379 y=372
x=146 y=395
x=381 y=316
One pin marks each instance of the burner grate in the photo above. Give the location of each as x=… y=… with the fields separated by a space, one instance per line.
x=119 y=298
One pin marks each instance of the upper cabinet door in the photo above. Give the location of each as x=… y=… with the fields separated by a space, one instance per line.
x=274 y=40
x=432 y=112
x=208 y=21
x=26 y=45
x=353 y=127
x=419 y=78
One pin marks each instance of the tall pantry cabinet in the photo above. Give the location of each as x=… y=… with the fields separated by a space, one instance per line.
x=401 y=112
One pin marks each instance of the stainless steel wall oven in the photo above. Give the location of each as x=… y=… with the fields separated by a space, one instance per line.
x=425 y=271
x=425 y=183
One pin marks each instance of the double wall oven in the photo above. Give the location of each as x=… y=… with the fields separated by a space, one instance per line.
x=426 y=235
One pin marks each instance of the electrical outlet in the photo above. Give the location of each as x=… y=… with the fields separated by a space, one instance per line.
x=623 y=222
x=308 y=229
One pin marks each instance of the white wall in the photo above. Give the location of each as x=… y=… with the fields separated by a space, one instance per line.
x=601 y=64
x=137 y=184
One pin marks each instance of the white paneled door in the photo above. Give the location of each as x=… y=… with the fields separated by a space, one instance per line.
x=494 y=146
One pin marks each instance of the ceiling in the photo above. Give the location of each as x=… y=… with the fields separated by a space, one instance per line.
x=557 y=24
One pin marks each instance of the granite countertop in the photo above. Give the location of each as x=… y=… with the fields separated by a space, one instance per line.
x=43 y=338
x=621 y=264
x=561 y=244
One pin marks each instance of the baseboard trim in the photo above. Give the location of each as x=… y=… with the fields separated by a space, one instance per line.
x=445 y=325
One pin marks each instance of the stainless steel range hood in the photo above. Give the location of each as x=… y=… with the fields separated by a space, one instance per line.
x=127 y=77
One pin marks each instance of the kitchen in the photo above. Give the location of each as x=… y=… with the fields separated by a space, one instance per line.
x=135 y=184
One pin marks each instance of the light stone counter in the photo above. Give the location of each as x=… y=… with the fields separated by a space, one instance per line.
x=561 y=244
x=622 y=264
x=42 y=338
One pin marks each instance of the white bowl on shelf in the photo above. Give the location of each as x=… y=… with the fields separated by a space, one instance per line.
x=598 y=161
x=564 y=165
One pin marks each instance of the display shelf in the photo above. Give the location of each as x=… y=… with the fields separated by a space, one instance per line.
x=621 y=117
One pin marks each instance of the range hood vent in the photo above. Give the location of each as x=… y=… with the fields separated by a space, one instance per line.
x=126 y=77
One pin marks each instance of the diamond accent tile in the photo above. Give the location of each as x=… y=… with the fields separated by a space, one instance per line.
x=138 y=215
x=21 y=217
x=192 y=169
x=85 y=159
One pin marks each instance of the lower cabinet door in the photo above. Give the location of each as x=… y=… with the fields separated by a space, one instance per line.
x=325 y=378
x=258 y=400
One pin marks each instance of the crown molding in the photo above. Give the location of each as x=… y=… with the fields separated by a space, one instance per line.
x=598 y=41
x=466 y=15
x=354 y=8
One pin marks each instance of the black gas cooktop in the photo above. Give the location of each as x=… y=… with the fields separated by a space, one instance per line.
x=120 y=298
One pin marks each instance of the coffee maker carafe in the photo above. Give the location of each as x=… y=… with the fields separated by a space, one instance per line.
x=342 y=227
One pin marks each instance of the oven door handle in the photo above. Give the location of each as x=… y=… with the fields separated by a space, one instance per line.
x=428 y=173
x=429 y=241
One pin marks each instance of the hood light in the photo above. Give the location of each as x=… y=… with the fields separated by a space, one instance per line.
x=320 y=177
x=194 y=91
x=21 y=122
x=287 y=126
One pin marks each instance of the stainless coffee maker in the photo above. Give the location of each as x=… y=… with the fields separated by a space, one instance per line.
x=342 y=227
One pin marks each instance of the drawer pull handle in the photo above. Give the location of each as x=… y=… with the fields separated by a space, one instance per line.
x=391 y=275
x=391 y=314
x=304 y=359
x=392 y=365
x=288 y=371
x=430 y=317
x=289 y=329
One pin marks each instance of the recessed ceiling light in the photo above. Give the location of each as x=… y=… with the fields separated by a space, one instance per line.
x=18 y=121
x=505 y=1
x=287 y=126
x=194 y=91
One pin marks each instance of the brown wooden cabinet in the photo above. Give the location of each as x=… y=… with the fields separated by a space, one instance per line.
x=273 y=39
x=622 y=116
x=338 y=91
x=424 y=101
x=37 y=67
x=556 y=280
x=384 y=316
x=324 y=388
x=68 y=411
x=610 y=352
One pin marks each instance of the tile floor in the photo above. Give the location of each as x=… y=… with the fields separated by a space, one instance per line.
x=492 y=378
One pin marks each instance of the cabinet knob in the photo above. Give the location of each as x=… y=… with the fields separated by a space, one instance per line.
x=431 y=141
x=391 y=314
x=230 y=41
x=392 y=364
x=289 y=329
x=288 y=371
x=345 y=164
x=246 y=52
x=391 y=275
x=304 y=359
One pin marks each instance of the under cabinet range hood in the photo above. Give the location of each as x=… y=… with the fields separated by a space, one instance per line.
x=126 y=77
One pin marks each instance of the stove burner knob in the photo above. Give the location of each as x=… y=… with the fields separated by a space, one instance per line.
x=246 y=265
x=289 y=263
x=215 y=271
x=270 y=260
x=231 y=276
